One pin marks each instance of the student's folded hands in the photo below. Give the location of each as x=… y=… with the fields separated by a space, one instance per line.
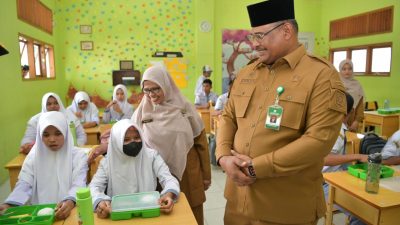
x=63 y=209
x=166 y=203
x=103 y=209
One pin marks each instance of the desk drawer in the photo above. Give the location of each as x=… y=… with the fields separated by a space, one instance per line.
x=356 y=206
x=373 y=119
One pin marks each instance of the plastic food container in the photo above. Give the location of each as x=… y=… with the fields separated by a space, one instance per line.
x=143 y=204
x=27 y=215
x=389 y=111
x=360 y=171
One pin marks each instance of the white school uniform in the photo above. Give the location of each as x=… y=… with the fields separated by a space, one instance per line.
x=90 y=114
x=50 y=176
x=199 y=85
x=127 y=109
x=221 y=101
x=31 y=129
x=392 y=146
x=123 y=174
x=202 y=98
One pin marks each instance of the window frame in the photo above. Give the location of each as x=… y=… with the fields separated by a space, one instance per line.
x=369 y=48
x=44 y=62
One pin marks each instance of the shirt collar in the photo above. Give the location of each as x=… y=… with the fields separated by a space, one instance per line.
x=292 y=59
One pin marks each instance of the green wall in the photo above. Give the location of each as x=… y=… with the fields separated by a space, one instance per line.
x=376 y=88
x=20 y=99
x=122 y=30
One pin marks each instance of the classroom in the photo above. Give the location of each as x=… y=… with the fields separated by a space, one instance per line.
x=92 y=45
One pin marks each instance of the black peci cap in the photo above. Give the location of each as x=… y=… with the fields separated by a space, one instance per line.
x=270 y=11
x=3 y=50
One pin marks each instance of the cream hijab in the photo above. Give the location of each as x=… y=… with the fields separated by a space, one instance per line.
x=89 y=112
x=70 y=116
x=174 y=123
x=353 y=86
x=127 y=174
x=49 y=172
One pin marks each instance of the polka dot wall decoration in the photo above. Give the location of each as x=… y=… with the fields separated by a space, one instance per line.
x=121 y=30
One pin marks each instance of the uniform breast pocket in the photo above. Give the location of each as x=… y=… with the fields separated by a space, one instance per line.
x=293 y=103
x=241 y=98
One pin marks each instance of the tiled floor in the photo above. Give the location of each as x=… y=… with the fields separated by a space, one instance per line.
x=214 y=207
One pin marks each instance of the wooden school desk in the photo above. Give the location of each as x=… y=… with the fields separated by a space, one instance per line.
x=348 y=192
x=15 y=165
x=389 y=123
x=93 y=133
x=181 y=215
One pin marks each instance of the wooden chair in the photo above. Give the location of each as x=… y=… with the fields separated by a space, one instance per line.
x=352 y=143
x=371 y=106
x=93 y=167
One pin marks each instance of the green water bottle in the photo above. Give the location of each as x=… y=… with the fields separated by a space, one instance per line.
x=85 y=207
x=72 y=128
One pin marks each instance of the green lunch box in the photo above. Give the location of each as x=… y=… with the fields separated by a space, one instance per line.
x=389 y=111
x=360 y=171
x=143 y=204
x=27 y=215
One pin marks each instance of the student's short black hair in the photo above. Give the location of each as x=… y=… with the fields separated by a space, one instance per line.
x=207 y=81
x=350 y=102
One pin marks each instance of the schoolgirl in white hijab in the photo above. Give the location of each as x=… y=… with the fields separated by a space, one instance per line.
x=89 y=116
x=130 y=167
x=53 y=169
x=119 y=108
x=50 y=102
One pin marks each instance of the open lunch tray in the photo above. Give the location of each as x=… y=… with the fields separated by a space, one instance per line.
x=143 y=204
x=27 y=215
x=360 y=171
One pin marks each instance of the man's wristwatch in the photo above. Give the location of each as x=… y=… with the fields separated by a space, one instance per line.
x=251 y=170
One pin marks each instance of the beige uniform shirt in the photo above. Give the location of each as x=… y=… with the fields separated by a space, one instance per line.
x=288 y=162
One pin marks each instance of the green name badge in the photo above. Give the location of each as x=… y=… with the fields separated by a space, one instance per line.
x=274 y=116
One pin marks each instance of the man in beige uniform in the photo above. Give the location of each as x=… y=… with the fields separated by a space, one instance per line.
x=274 y=174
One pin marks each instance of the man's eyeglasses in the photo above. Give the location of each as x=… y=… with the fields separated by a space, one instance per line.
x=154 y=90
x=260 y=36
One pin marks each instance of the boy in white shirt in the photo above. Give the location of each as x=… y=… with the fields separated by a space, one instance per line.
x=199 y=84
x=202 y=99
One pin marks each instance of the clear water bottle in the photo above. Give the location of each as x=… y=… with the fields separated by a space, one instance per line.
x=373 y=173
x=386 y=104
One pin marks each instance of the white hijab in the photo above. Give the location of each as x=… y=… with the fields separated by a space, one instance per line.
x=49 y=172
x=353 y=86
x=91 y=109
x=127 y=174
x=70 y=116
x=174 y=123
x=124 y=104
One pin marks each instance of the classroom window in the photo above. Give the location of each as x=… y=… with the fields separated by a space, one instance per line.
x=37 y=59
x=368 y=60
x=381 y=58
